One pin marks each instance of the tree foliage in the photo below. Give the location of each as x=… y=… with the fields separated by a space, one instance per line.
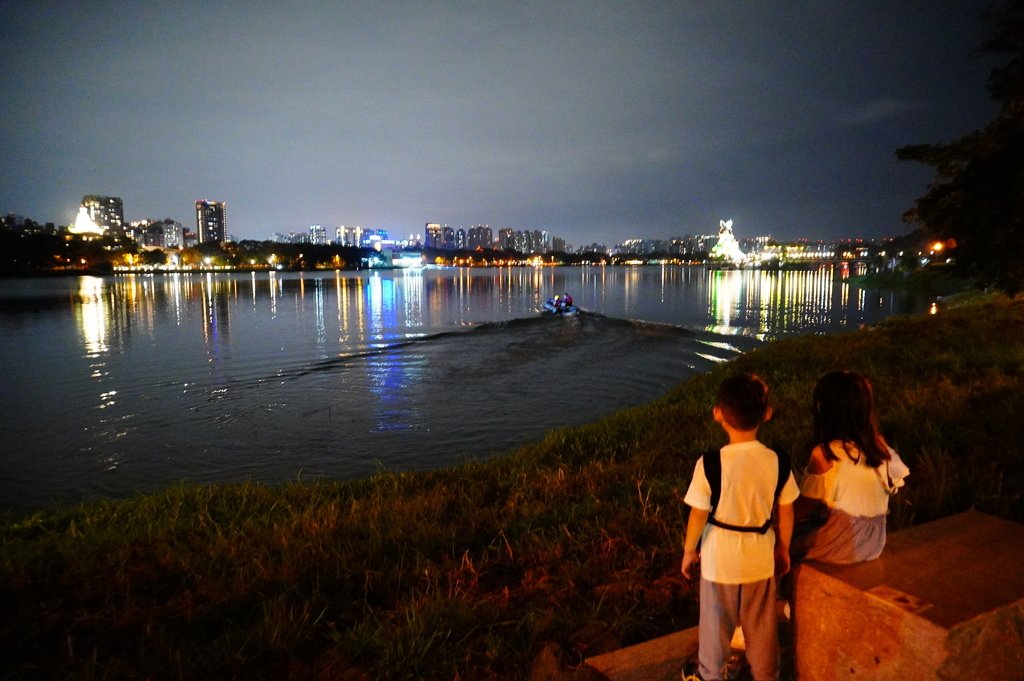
x=976 y=202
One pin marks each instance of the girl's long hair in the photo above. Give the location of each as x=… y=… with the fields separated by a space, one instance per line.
x=844 y=410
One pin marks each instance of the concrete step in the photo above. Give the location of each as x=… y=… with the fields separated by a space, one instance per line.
x=659 y=659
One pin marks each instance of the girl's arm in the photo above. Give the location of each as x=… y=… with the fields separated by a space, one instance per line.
x=818 y=486
x=818 y=463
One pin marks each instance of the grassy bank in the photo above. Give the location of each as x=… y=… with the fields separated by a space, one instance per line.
x=464 y=573
x=937 y=280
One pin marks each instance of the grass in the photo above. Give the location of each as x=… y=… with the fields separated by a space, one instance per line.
x=465 y=573
x=935 y=279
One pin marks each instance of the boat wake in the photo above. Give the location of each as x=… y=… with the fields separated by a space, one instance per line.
x=584 y=342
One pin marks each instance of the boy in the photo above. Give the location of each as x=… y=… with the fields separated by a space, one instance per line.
x=740 y=553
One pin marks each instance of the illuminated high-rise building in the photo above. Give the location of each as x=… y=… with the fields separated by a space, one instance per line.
x=174 y=234
x=506 y=238
x=434 y=235
x=349 y=236
x=107 y=212
x=211 y=221
x=317 y=235
x=479 y=236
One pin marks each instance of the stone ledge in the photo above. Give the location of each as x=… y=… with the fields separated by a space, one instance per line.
x=945 y=601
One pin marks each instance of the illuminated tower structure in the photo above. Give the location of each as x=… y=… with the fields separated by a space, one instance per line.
x=84 y=225
x=211 y=221
x=106 y=212
x=727 y=248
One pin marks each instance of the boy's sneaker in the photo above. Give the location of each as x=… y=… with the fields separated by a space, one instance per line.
x=736 y=668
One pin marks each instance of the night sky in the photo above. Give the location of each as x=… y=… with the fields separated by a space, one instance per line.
x=596 y=121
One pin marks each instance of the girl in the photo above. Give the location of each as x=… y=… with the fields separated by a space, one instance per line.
x=852 y=471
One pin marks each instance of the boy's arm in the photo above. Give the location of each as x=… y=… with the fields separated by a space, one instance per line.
x=694 y=530
x=783 y=534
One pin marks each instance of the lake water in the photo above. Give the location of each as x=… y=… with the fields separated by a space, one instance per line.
x=128 y=383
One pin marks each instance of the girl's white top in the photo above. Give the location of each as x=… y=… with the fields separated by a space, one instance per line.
x=854 y=487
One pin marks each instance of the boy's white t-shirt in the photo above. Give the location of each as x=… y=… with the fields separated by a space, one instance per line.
x=750 y=472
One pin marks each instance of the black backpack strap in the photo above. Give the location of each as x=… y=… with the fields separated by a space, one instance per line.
x=785 y=468
x=713 y=472
x=760 y=529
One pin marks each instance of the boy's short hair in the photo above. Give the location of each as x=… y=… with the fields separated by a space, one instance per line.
x=743 y=400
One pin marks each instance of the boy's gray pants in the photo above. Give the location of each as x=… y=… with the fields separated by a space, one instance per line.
x=751 y=606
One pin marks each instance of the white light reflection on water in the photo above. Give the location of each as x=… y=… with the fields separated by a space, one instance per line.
x=220 y=377
x=92 y=316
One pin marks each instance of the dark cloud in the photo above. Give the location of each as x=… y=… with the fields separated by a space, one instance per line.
x=597 y=121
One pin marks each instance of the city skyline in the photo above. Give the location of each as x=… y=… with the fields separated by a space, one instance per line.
x=104 y=215
x=596 y=123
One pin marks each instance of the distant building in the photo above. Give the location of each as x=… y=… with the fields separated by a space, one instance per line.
x=154 y=236
x=317 y=235
x=166 y=233
x=376 y=239
x=22 y=225
x=691 y=245
x=634 y=246
x=349 y=236
x=434 y=234
x=754 y=244
x=479 y=236
x=686 y=245
x=136 y=229
x=290 y=238
x=506 y=238
x=536 y=241
x=107 y=212
x=211 y=221
x=174 y=233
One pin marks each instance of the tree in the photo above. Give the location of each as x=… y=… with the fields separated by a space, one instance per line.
x=976 y=202
x=154 y=257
